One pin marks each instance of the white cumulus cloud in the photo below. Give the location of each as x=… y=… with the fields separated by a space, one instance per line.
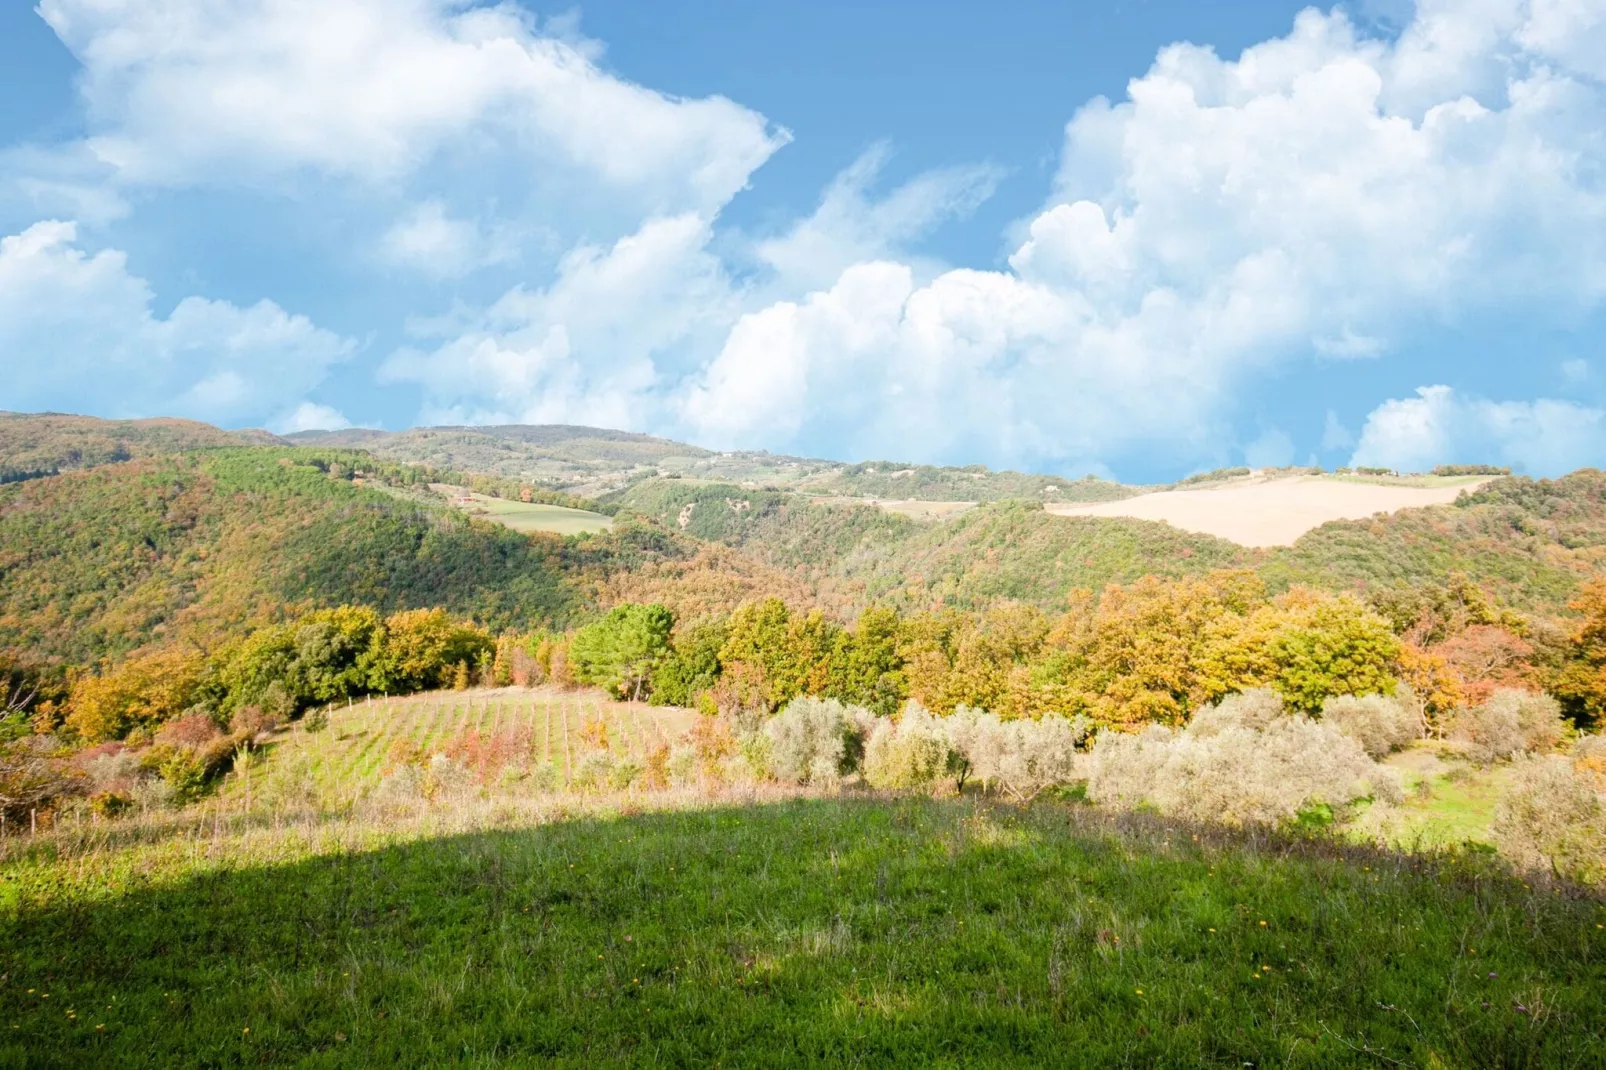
x=1322 y=196
x=309 y=416
x=77 y=333
x=196 y=91
x=593 y=347
x=1441 y=426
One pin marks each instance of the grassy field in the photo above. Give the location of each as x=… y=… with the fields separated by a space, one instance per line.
x=811 y=931
x=526 y=516
x=1448 y=800
x=299 y=915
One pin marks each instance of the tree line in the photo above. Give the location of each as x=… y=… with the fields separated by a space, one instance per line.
x=1149 y=652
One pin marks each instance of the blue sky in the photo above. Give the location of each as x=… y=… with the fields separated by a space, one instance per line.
x=1135 y=238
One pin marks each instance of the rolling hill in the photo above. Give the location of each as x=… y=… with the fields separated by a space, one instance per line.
x=44 y=444
x=198 y=545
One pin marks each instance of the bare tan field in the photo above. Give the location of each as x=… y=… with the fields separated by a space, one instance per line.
x=1271 y=512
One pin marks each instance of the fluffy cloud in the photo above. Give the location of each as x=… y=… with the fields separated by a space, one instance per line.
x=1440 y=426
x=309 y=416
x=80 y=335
x=593 y=347
x=197 y=91
x=1335 y=436
x=464 y=136
x=428 y=240
x=1324 y=196
x=851 y=226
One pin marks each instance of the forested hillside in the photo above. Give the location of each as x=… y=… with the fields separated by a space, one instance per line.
x=96 y=563
x=858 y=555
x=975 y=483
x=1531 y=543
x=35 y=445
x=196 y=548
x=557 y=455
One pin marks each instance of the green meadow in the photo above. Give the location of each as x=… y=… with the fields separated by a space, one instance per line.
x=854 y=929
x=528 y=516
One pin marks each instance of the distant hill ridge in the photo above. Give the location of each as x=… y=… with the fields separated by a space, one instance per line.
x=44 y=444
x=587 y=461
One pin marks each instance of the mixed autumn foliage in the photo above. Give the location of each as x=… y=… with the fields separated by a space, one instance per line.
x=237 y=584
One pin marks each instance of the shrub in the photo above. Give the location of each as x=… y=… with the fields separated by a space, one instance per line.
x=405 y=783
x=112 y=770
x=1237 y=775
x=711 y=741
x=624 y=774
x=252 y=721
x=31 y=777
x=184 y=772
x=446 y=775
x=1540 y=721
x=1589 y=757
x=753 y=761
x=110 y=804
x=546 y=776
x=277 y=702
x=1510 y=723
x=193 y=731
x=655 y=767
x=816 y=740
x=1255 y=709
x=1551 y=818
x=683 y=766
x=593 y=771
x=911 y=753
x=1379 y=723
x=1023 y=757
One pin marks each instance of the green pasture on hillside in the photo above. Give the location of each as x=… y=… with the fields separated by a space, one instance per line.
x=846 y=931
x=527 y=516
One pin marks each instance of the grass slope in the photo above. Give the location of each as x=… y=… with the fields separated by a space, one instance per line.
x=842 y=931
x=534 y=516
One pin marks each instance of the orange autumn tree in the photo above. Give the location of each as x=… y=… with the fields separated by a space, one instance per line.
x=1580 y=685
x=143 y=692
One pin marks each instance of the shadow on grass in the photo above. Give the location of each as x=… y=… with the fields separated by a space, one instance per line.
x=810 y=931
